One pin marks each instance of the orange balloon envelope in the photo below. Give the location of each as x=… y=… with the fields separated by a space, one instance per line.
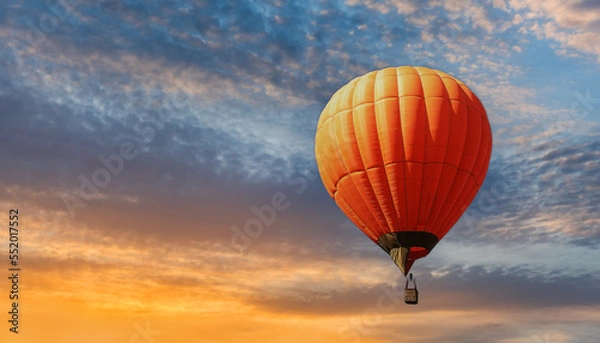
x=403 y=151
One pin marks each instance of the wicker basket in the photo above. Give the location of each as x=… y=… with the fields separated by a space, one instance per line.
x=411 y=296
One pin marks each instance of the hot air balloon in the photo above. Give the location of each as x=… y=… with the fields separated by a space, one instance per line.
x=403 y=152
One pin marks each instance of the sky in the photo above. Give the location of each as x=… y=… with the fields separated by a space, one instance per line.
x=145 y=142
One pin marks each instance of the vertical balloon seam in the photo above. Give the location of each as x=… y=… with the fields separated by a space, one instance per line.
x=359 y=200
x=459 y=205
x=485 y=134
x=480 y=163
x=367 y=205
x=371 y=188
x=339 y=133
x=426 y=129
x=385 y=169
x=331 y=103
x=454 y=211
x=339 y=194
x=332 y=113
x=332 y=134
x=387 y=190
x=327 y=109
x=460 y=202
x=431 y=228
x=394 y=226
x=401 y=95
x=334 y=108
x=339 y=108
x=411 y=211
x=490 y=149
x=440 y=229
x=470 y=195
x=323 y=118
x=327 y=161
x=436 y=230
x=326 y=129
x=440 y=219
x=403 y=163
x=319 y=157
x=488 y=154
x=361 y=225
x=390 y=220
x=483 y=152
x=347 y=175
x=484 y=139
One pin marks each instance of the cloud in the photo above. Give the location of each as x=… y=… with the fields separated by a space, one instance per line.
x=573 y=24
x=471 y=11
x=501 y=4
x=545 y=193
x=220 y=103
x=401 y=7
x=299 y=279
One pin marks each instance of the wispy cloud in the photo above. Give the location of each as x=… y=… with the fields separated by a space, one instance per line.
x=217 y=105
